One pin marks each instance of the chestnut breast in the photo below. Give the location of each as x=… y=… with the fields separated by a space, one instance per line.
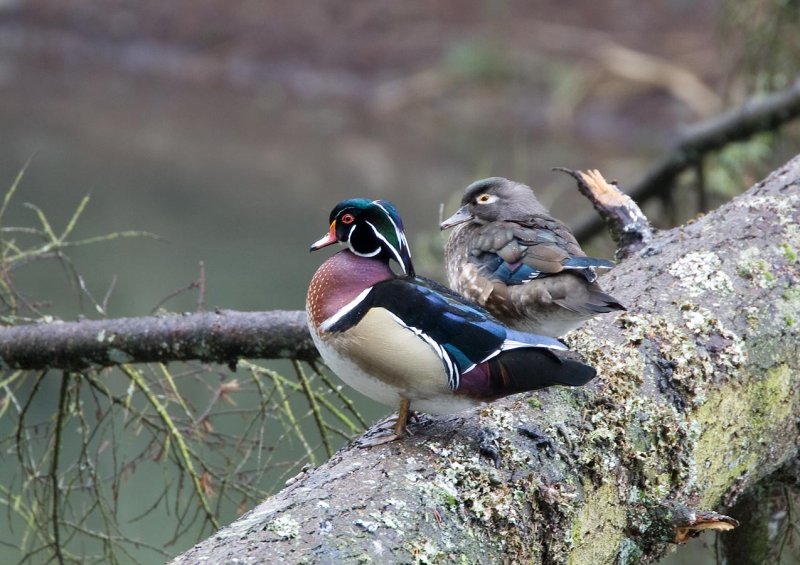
x=339 y=280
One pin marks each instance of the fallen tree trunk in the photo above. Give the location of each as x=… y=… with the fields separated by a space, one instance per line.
x=697 y=399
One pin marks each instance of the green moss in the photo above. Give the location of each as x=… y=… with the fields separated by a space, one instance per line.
x=651 y=439
x=596 y=539
x=425 y=552
x=788 y=307
x=752 y=317
x=751 y=266
x=629 y=552
x=623 y=373
x=789 y=253
x=726 y=449
x=470 y=490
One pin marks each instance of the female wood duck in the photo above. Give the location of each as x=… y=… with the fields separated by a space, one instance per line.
x=510 y=256
x=402 y=339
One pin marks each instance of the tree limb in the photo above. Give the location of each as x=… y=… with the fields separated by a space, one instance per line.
x=696 y=399
x=222 y=336
x=764 y=113
x=629 y=227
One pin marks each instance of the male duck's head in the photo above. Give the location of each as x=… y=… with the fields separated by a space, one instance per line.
x=370 y=228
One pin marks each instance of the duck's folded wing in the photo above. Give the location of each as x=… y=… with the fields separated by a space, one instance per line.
x=462 y=334
x=516 y=252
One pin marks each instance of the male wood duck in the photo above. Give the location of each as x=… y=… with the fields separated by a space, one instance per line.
x=510 y=256
x=402 y=339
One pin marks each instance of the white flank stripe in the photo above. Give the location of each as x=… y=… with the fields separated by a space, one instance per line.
x=344 y=310
x=514 y=344
x=549 y=344
x=494 y=353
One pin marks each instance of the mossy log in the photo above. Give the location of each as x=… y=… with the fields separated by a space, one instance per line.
x=697 y=398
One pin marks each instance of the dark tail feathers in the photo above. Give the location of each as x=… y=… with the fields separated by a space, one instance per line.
x=523 y=369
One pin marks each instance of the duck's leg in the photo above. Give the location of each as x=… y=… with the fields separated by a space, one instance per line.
x=382 y=433
x=400 y=428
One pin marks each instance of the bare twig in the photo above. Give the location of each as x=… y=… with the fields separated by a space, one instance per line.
x=112 y=284
x=314 y=405
x=201 y=288
x=54 y=481
x=192 y=285
x=182 y=450
x=221 y=337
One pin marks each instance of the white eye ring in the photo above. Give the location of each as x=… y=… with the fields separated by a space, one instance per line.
x=486 y=199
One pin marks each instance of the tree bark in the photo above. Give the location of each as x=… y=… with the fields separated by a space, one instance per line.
x=697 y=398
x=222 y=336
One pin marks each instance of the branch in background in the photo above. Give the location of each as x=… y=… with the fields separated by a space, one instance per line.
x=649 y=69
x=219 y=337
x=629 y=227
x=758 y=115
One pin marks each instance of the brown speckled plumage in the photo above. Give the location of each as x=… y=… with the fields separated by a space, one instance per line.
x=514 y=226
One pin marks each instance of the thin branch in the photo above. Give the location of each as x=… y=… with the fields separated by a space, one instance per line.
x=182 y=452
x=314 y=405
x=761 y=114
x=60 y=415
x=107 y=297
x=201 y=288
x=292 y=419
x=337 y=390
x=220 y=337
x=649 y=69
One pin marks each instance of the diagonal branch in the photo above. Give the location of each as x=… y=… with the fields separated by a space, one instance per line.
x=765 y=113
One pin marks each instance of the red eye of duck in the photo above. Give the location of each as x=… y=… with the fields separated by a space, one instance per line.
x=347 y=218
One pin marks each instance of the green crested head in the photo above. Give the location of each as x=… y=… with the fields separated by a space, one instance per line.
x=370 y=228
